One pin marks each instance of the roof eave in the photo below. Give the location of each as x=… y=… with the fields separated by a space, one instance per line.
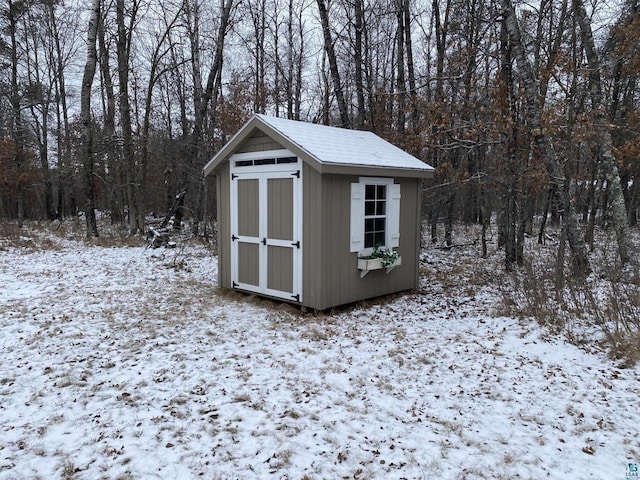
x=355 y=169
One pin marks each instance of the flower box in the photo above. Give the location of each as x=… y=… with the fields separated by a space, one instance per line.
x=365 y=265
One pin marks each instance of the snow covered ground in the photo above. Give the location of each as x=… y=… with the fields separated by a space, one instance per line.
x=121 y=362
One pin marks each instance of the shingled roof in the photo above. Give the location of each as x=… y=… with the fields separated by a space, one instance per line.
x=328 y=149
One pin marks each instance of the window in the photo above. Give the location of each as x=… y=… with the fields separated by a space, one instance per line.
x=264 y=161
x=375 y=214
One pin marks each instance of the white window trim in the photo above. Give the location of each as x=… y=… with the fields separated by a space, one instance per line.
x=267 y=154
x=281 y=153
x=392 y=233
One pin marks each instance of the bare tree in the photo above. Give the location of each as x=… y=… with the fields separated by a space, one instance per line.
x=109 y=143
x=123 y=49
x=333 y=64
x=38 y=96
x=358 y=60
x=13 y=12
x=161 y=50
x=205 y=109
x=533 y=113
x=60 y=51
x=257 y=12
x=411 y=71
x=85 y=116
x=608 y=161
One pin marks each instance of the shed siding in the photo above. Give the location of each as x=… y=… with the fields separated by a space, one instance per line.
x=258 y=141
x=341 y=282
x=338 y=282
x=224 y=226
x=410 y=231
x=312 y=261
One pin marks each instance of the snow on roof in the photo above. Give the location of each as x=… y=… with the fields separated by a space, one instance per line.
x=339 y=146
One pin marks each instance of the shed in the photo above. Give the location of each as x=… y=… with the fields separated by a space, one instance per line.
x=299 y=204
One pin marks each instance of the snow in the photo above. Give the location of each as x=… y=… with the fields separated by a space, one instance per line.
x=331 y=146
x=340 y=146
x=125 y=362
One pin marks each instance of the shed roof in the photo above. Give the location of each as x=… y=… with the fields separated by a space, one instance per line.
x=329 y=149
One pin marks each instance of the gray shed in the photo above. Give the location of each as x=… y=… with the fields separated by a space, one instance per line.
x=300 y=204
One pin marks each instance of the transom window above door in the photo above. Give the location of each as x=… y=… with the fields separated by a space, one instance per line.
x=263 y=161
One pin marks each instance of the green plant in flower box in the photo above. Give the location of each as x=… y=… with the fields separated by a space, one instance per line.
x=387 y=257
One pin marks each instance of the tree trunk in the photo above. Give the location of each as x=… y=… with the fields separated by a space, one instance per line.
x=358 y=60
x=257 y=13
x=85 y=117
x=123 y=51
x=485 y=218
x=401 y=119
x=543 y=142
x=299 y=68
x=18 y=127
x=591 y=211
x=511 y=197
x=114 y=169
x=510 y=249
x=64 y=137
x=213 y=85
x=154 y=77
x=441 y=30
x=448 y=220
x=543 y=221
x=433 y=219
x=609 y=166
x=40 y=103
x=413 y=93
x=333 y=64
x=209 y=95
x=44 y=164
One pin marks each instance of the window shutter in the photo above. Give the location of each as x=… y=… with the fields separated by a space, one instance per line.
x=356 y=242
x=393 y=216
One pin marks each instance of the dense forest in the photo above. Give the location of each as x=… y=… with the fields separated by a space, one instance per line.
x=527 y=110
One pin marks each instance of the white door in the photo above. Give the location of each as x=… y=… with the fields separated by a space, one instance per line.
x=266 y=247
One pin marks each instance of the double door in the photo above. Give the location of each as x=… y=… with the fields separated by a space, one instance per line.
x=266 y=249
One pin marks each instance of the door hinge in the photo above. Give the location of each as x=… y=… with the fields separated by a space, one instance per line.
x=234 y=238
x=296 y=297
x=264 y=241
x=233 y=176
x=297 y=244
x=234 y=285
x=296 y=174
